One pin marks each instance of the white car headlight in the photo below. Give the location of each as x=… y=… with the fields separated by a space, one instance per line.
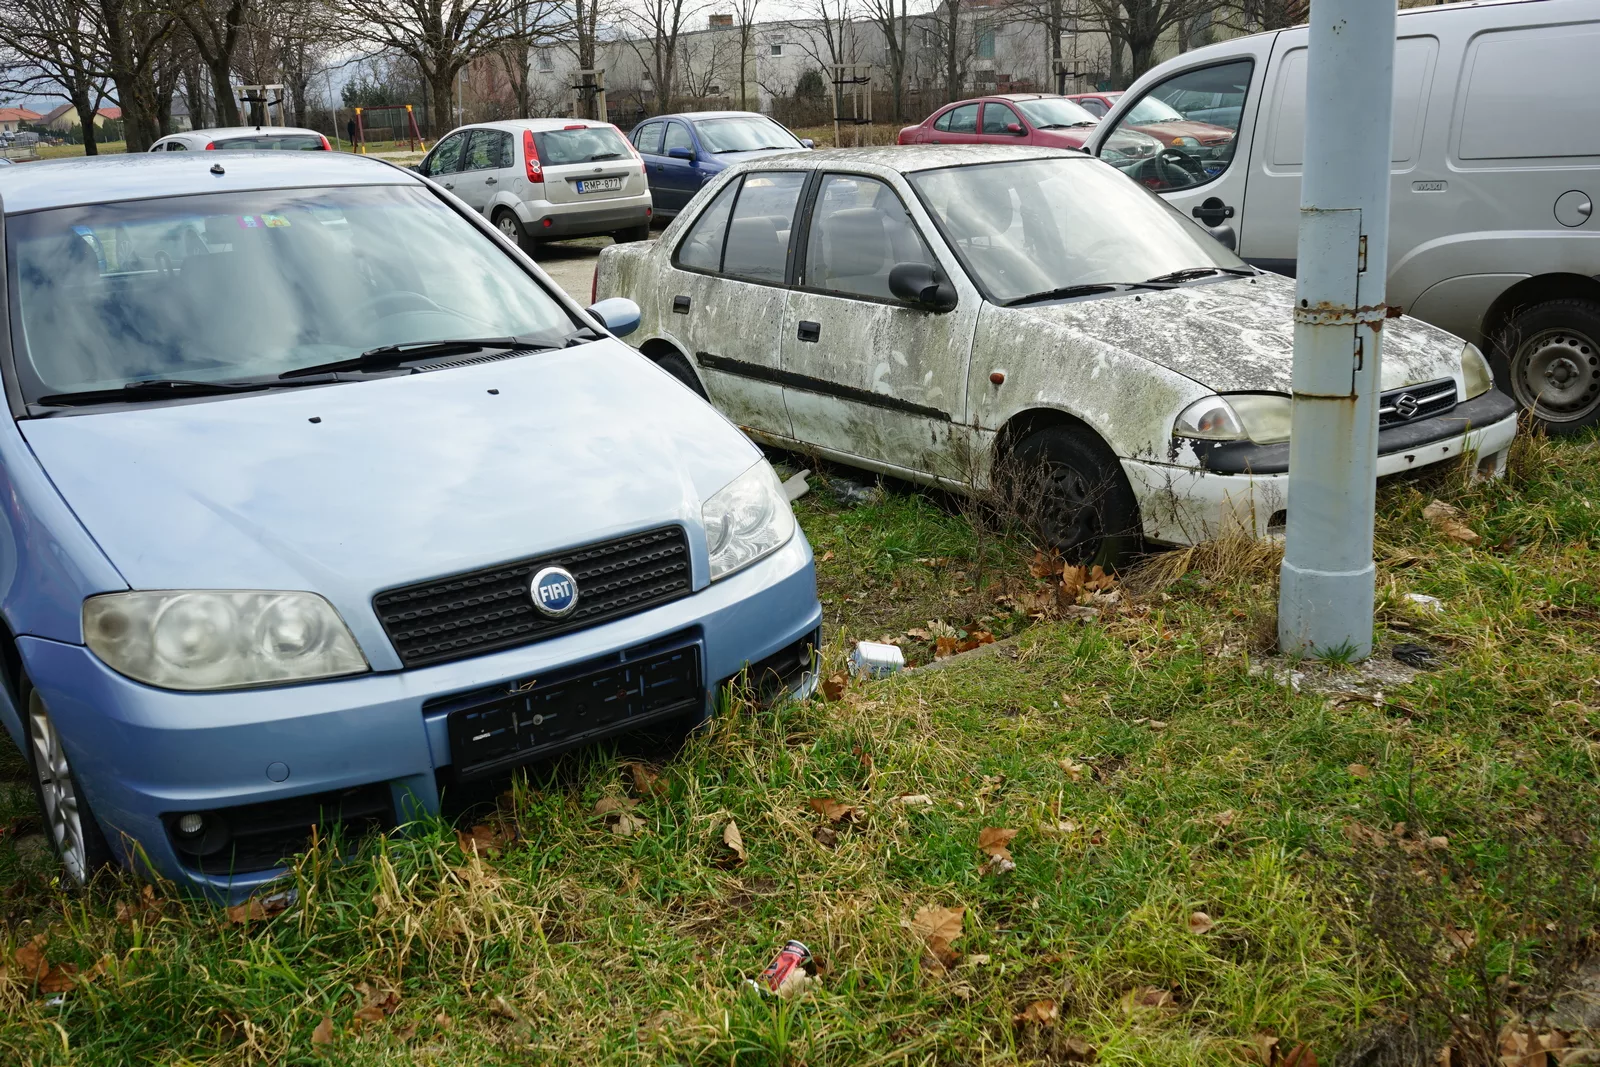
x=1259 y=417
x=1476 y=377
x=223 y=639
x=746 y=519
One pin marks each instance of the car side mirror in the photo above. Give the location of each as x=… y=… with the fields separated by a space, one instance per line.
x=1225 y=235
x=1016 y=128
x=681 y=153
x=922 y=285
x=617 y=314
x=808 y=142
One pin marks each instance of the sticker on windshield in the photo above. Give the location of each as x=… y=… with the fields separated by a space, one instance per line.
x=256 y=222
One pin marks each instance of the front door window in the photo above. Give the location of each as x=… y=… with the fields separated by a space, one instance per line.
x=1193 y=119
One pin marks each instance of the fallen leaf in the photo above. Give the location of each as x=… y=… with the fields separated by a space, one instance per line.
x=1074 y=770
x=944 y=648
x=258 y=908
x=834 y=811
x=1078 y=1050
x=406 y=1032
x=1265 y=1048
x=914 y=800
x=147 y=909
x=323 y=1034
x=443 y=1021
x=377 y=1004
x=618 y=814
x=1447 y=520
x=1524 y=1047
x=1156 y=724
x=1045 y=566
x=484 y=839
x=1099 y=580
x=613 y=805
x=1148 y=996
x=1300 y=1056
x=1200 y=923
x=1359 y=770
x=826 y=557
x=993 y=842
x=58 y=979
x=1071 y=587
x=30 y=957
x=627 y=825
x=735 y=843
x=1460 y=940
x=919 y=634
x=1438 y=844
x=939 y=928
x=833 y=688
x=1039 y=1013
x=826 y=837
x=645 y=780
x=1225 y=819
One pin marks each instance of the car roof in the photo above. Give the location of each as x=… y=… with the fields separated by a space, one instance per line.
x=536 y=125
x=241 y=131
x=142 y=175
x=906 y=159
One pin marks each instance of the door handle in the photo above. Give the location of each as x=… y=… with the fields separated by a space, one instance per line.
x=680 y=305
x=491 y=181
x=1212 y=211
x=449 y=185
x=809 y=331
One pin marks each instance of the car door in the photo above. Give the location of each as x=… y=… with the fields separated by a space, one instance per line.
x=867 y=374
x=723 y=296
x=959 y=125
x=680 y=179
x=1206 y=182
x=479 y=165
x=996 y=122
x=647 y=137
x=445 y=160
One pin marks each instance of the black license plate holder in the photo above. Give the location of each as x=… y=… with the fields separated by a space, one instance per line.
x=541 y=718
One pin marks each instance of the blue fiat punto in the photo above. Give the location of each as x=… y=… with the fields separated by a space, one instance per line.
x=319 y=497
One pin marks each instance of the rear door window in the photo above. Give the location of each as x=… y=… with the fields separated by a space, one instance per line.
x=647 y=138
x=759 y=233
x=963 y=119
x=702 y=248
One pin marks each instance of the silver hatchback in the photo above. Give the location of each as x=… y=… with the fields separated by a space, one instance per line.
x=546 y=179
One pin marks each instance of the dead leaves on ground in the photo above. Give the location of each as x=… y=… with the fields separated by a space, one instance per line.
x=485 y=839
x=837 y=818
x=1200 y=923
x=33 y=967
x=1448 y=520
x=945 y=647
x=617 y=813
x=1269 y=1052
x=939 y=928
x=262 y=907
x=647 y=781
x=733 y=841
x=147 y=909
x=1039 y=1013
x=994 y=842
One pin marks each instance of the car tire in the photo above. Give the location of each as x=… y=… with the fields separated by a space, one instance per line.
x=510 y=227
x=631 y=234
x=1067 y=485
x=675 y=365
x=64 y=810
x=1548 y=359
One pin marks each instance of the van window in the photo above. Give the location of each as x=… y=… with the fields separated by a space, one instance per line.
x=1531 y=94
x=1413 y=77
x=1193 y=149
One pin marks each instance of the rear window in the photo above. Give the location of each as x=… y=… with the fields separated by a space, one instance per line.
x=585 y=144
x=284 y=142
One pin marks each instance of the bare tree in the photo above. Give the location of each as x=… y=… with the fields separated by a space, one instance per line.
x=53 y=46
x=440 y=36
x=747 y=19
x=588 y=18
x=657 y=26
x=137 y=38
x=1253 y=16
x=531 y=21
x=703 y=63
x=217 y=28
x=892 y=23
x=1138 y=26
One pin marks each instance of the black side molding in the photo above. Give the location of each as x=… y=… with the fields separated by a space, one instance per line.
x=806 y=384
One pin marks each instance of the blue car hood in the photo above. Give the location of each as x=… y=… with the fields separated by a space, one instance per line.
x=352 y=488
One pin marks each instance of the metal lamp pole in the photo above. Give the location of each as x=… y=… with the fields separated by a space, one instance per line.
x=1326 y=584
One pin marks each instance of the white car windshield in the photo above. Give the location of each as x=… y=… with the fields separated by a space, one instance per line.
x=1049 y=114
x=743 y=134
x=225 y=287
x=1034 y=226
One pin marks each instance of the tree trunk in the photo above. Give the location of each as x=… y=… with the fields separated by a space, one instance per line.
x=85 y=109
x=222 y=95
x=1144 y=56
x=195 y=94
x=441 y=93
x=952 y=66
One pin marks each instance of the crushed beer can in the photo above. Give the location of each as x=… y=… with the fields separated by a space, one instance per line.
x=872 y=659
x=790 y=959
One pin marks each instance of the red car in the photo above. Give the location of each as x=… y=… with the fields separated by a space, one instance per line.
x=1163 y=122
x=1031 y=118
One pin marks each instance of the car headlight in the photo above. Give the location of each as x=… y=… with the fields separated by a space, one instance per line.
x=1476 y=377
x=1259 y=417
x=224 y=639
x=1185 y=142
x=746 y=519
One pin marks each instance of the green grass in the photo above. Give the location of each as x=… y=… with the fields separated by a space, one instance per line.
x=1191 y=783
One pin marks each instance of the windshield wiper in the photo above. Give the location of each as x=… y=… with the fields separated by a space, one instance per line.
x=1062 y=293
x=164 y=389
x=387 y=356
x=605 y=155
x=1201 y=272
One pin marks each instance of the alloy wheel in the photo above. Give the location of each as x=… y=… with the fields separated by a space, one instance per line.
x=57 y=788
x=1556 y=373
x=508 y=226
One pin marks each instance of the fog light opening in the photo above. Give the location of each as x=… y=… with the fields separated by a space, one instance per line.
x=1278 y=523
x=199 y=833
x=190 y=825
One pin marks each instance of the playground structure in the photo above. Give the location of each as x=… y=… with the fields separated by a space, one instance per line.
x=256 y=103
x=589 y=95
x=852 y=100
x=412 y=133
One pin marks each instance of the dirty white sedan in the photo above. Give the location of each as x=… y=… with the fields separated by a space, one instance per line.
x=950 y=316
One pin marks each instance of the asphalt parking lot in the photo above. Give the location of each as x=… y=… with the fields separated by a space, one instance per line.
x=571 y=264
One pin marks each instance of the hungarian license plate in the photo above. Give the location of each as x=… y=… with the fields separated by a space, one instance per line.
x=600 y=185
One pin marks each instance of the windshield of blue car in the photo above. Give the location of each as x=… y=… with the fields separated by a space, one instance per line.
x=1052 y=113
x=239 y=286
x=1036 y=225
x=743 y=134
x=580 y=144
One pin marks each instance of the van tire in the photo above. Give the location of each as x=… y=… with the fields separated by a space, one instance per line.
x=1550 y=346
x=505 y=220
x=679 y=368
x=1085 y=508
x=68 y=821
x=631 y=234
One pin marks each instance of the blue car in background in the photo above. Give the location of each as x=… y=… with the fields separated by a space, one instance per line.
x=313 y=517
x=683 y=152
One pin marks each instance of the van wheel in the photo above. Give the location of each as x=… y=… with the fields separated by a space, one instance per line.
x=68 y=821
x=679 y=368
x=631 y=234
x=1070 y=488
x=1548 y=359
x=506 y=221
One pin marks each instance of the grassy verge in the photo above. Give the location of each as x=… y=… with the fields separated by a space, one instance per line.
x=1206 y=864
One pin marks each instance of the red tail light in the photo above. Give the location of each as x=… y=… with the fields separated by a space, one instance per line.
x=210 y=146
x=530 y=155
x=326 y=147
x=594 y=283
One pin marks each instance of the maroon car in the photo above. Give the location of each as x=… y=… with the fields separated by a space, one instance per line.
x=1162 y=121
x=1021 y=118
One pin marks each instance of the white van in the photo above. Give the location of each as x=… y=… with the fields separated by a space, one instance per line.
x=1496 y=166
